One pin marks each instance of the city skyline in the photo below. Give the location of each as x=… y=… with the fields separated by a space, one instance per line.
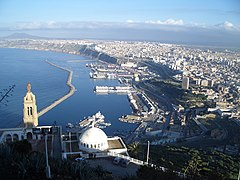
x=201 y=23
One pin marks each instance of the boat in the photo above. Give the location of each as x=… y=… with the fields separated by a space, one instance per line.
x=108 y=124
x=96 y=119
x=103 y=125
x=69 y=125
x=91 y=75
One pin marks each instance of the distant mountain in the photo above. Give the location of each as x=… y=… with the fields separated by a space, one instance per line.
x=22 y=36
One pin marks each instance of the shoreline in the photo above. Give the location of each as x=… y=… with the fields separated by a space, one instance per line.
x=63 y=98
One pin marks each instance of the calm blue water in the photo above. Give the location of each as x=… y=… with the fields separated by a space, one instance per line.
x=49 y=83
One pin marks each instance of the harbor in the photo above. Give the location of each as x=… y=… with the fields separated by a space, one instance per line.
x=112 y=71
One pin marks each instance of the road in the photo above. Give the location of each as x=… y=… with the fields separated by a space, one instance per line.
x=164 y=71
x=161 y=99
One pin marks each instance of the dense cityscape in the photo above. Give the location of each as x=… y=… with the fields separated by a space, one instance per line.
x=125 y=90
x=180 y=95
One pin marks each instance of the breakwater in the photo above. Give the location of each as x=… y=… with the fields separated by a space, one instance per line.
x=70 y=93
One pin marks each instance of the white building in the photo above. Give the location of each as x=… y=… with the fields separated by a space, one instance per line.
x=129 y=65
x=185 y=83
x=93 y=140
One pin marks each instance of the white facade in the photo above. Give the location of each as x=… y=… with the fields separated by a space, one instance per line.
x=185 y=83
x=93 y=140
x=15 y=134
x=129 y=65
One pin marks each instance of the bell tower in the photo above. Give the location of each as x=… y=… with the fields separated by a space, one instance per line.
x=30 y=116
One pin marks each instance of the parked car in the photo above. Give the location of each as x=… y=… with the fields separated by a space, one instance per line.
x=124 y=162
x=80 y=159
x=116 y=160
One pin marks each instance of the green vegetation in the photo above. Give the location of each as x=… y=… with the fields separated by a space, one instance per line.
x=19 y=162
x=153 y=174
x=155 y=88
x=196 y=164
x=231 y=135
x=178 y=95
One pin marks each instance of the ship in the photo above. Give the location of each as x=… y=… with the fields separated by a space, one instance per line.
x=113 y=89
x=96 y=75
x=69 y=125
x=96 y=119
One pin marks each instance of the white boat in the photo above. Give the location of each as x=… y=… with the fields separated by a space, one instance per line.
x=69 y=125
x=96 y=119
x=91 y=75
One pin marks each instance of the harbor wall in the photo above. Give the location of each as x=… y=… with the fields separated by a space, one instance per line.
x=66 y=96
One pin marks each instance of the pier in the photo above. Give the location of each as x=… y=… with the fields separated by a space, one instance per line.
x=113 y=89
x=70 y=93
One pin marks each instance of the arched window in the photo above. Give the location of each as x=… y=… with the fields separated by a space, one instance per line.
x=31 y=111
x=91 y=146
x=15 y=137
x=29 y=135
x=84 y=144
x=87 y=145
x=98 y=145
x=28 y=110
x=95 y=146
x=8 y=138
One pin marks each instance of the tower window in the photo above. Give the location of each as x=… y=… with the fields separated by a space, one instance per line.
x=31 y=112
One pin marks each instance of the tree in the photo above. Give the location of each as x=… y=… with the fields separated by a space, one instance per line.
x=149 y=173
x=22 y=147
x=194 y=166
x=134 y=149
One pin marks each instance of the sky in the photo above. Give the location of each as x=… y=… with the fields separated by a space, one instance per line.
x=206 y=21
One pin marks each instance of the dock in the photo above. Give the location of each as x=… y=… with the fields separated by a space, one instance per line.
x=70 y=93
x=113 y=89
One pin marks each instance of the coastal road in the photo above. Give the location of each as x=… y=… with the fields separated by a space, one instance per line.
x=164 y=71
x=161 y=99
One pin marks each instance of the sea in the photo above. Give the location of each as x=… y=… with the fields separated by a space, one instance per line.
x=19 y=66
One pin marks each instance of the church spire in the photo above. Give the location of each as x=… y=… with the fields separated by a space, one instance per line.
x=30 y=116
x=29 y=87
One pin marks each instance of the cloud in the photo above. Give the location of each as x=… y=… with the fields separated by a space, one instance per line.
x=167 y=22
x=172 y=25
x=170 y=31
x=130 y=21
x=36 y=25
x=228 y=26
